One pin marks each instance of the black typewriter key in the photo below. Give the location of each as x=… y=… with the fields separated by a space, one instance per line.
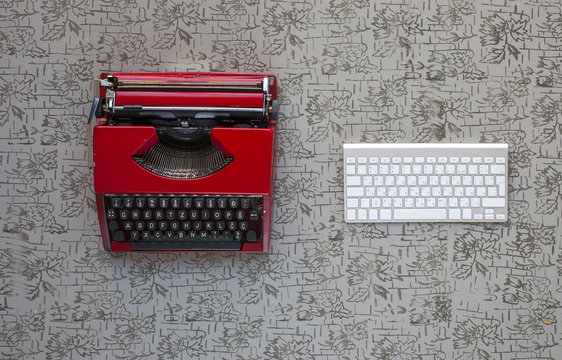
x=187 y=202
x=111 y=214
x=159 y=214
x=186 y=225
x=232 y=225
x=157 y=235
x=227 y=235
x=209 y=225
x=128 y=202
x=135 y=235
x=210 y=202
x=240 y=215
x=123 y=214
x=145 y=235
x=221 y=225
x=221 y=202
x=197 y=225
x=147 y=214
x=174 y=225
x=238 y=235
x=139 y=225
x=245 y=203
x=243 y=225
x=193 y=234
x=128 y=225
x=170 y=214
x=228 y=215
x=175 y=203
x=152 y=203
x=163 y=225
x=217 y=215
x=151 y=225
x=170 y=235
x=116 y=202
x=254 y=215
x=251 y=236
x=141 y=202
x=205 y=214
x=182 y=214
x=193 y=214
x=203 y=234
x=199 y=203
x=233 y=202
x=164 y=202
x=181 y=235
x=118 y=236
x=214 y=234
x=113 y=225
x=135 y=214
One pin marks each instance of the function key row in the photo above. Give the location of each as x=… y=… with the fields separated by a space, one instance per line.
x=426 y=159
x=118 y=202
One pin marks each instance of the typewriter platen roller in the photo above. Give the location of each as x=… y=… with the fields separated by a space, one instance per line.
x=183 y=161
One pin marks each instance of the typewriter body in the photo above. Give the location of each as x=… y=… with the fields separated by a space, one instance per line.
x=184 y=161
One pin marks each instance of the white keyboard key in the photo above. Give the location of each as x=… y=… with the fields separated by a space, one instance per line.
x=488 y=216
x=350 y=169
x=352 y=203
x=353 y=180
x=430 y=202
x=436 y=191
x=501 y=190
x=428 y=169
x=383 y=169
x=420 y=202
x=500 y=160
x=478 y=216
x=492 y=191
x=373 y=169
x=454 y=159
x=419 y=159
x=395 y=169
x=362 y=160
x=469 y=191
x=439 y=169
x=445 y=180
x=400 y=180
x=367 y=180
x=420 y=214
x=455 y=180
x=442 y=202
x=458 y=191
x=489 y=180
x=416 y=169
x=414 y=191
x=396 y=159
x=453 y=202
x=351 y=214
x=483 y=169
x=412 y=180
x=464 y=202
x=465 y=159
x=373 y=214
x=488 y=211
x=467 y=180
x=422 y=180
x=500 y=180
x=478 y=180
x=365 y=203
x=500 y=216
x=449 y=169
x=454 y=214
x=392 y=191
x=480 y=191
x=425 y=191
x=442 y=159
x=379 y=180
x=362 y=214
x=386 y=202
x=355 y=191
x=466 y=214
x=475 y=202
x=370 y=191
x=375 y=202
x=406 y=169
x=497 y=169
x=386 y=214
x=389 y=180
x=431 y=159
x=385 y=160
x=397 y=203
x=434 y=180
x=473 y=169
x=362 y=170
x=350 y=160
x=408 y=202
x=403 y=191
x=488 y=160
x=477 y=159
x=373 y=160
x=381 y=191
x=447 y=191
x=408 y=159
x=461 y=169
x=493 y=202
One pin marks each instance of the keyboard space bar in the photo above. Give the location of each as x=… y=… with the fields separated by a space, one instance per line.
x=420 y=214
x=187 y=245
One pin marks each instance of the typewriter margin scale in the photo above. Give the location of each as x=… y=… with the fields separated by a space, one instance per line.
x=249 y=174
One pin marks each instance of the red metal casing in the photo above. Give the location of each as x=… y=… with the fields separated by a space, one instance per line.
x=250 y=173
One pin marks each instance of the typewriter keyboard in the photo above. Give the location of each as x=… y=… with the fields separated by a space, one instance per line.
x=184 y=222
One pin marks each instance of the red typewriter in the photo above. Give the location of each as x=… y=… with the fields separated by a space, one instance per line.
x=184 y=161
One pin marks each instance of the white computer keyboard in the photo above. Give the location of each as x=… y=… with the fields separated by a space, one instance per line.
x=425 y=182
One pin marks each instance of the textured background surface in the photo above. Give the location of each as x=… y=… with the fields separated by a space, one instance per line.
x=444 y=71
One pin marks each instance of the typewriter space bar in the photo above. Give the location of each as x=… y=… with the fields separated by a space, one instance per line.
x=185 y=245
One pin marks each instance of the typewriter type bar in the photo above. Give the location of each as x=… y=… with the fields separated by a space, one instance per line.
x=184 y=161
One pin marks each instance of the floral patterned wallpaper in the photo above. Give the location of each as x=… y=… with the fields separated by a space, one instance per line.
x=349 y=71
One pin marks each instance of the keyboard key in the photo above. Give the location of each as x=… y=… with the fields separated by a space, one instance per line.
x=415 y=214
x=350 y=160
x=355 y=191
x=373 y=214
x=466 y=214
x=111 y=214
x=353 y=180
x=385 y=214
x=140 y=202
x=152 y=203
x=233 y=203
x=351 y=214
x=210 y=202
x=350 y=169
x=245 y=203
x=199 y=203
x=497 y=169
x=123 y=214
x=164 y=202
x=361 y=160
x=493 y=202
x=454 y=214
x=222 y=203
x=128 y=202
x=362 y=214
x=176 y=202
x=116 y=203
x=187 y=203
